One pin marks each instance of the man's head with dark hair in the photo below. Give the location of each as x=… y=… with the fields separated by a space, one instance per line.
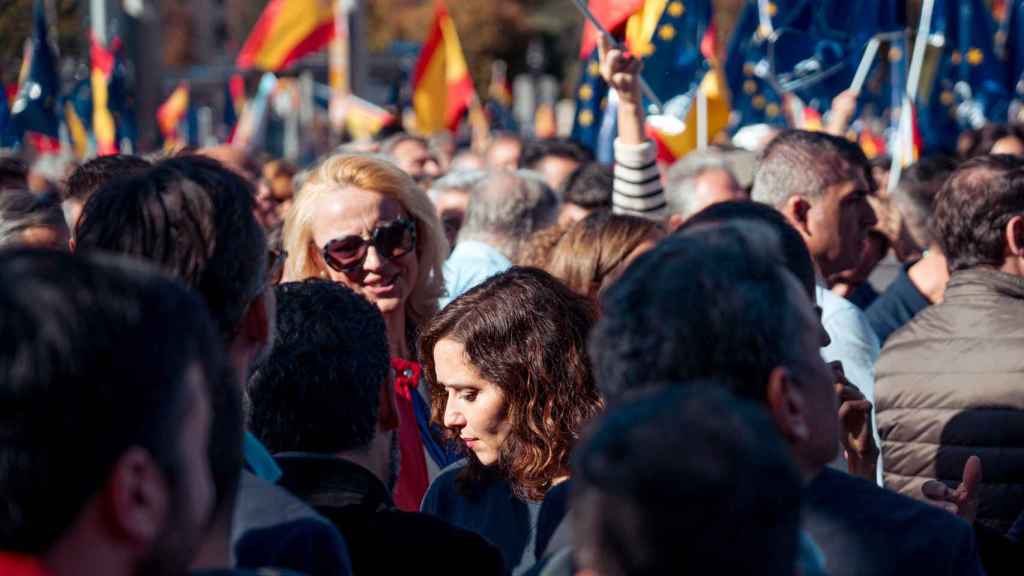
x=915 y=196
x=13 y=173
x=104 y=372
x=979 y=215
x=85 y=180
x=587 y=189
x=793 y=250
x=821 y=184
x=554 y=158
x=192 y=217
x=731 y=506
x=319 y=390
x=717 y=302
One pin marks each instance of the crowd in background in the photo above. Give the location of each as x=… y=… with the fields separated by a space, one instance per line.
x=416 y=356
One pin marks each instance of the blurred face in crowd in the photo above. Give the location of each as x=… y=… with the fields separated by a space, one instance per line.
x=415 y=159
x=556 y=169
x=451 y=209
x=836 y=224
x=476 y=409
x=191 y=501
x=504 y=154
x=715 y=186
x=384 y=270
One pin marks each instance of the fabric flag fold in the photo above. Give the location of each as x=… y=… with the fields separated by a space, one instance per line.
x=170 y=114
x=286 y=31
x=442 y=88
x=34 y=112
x=104 y=128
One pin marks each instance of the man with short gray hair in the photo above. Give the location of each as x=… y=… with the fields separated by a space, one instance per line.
x=450 y=195
x=697 y=181
x=505 y=209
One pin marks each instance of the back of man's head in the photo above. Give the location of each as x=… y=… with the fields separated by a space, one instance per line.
x=715 y=302
x=13 y=173
x=319 y=388
x=193 y=218
x=506 y=208
x=85 y=180
x=731 y=506
x=974 y=210
x=803 y=163
x=589 y=187
x=915 y=196
x=103 y=375
x=683 y=193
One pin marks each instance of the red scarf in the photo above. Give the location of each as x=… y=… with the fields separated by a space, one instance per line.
x=413 y=478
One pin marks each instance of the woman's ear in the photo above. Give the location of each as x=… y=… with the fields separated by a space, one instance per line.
x=787 y=406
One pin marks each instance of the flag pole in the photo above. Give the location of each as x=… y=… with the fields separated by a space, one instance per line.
x=910 y=93
x=702 y=119
x=644 y=86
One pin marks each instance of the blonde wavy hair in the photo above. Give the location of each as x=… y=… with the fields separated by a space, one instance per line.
x=333 y=176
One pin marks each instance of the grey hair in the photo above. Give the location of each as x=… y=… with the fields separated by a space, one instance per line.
x=803 y=163
x=21 y=210
x=506 y=208
x=459 y=180
x=681 y=179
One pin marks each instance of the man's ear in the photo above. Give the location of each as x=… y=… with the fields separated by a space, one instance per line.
x=787 y=406
x=136 y=498
x=796 y=210
x=1015 y=236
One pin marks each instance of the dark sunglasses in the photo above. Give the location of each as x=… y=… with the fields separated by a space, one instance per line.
x=391 y=240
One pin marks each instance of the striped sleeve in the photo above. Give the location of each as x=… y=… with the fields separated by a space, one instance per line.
x=637 y=190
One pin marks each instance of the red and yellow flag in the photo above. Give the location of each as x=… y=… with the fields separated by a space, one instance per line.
x=441 y=86
x=170 y=113
x=286 y=31
x=103 y=126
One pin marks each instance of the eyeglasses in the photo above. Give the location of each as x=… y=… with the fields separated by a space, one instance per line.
x=275 y=266
x=391 y=240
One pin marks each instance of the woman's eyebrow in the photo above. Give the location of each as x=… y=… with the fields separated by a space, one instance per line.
x=457 y=385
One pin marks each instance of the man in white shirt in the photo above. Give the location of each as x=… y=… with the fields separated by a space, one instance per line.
x=820 y=183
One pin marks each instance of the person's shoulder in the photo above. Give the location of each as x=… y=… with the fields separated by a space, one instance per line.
x=881 y=507
x=442 y=489
x=420 y=530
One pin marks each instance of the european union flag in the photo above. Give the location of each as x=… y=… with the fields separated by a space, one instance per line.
x=35 y=106
x=673 y=62
x=591 y=100
x=812 y=48
x=969 y=87
x=1015 y=48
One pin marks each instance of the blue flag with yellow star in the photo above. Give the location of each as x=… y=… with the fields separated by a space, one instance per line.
x=667 y=34
x=591 y=100
x=812 y=47
x=968 y=87
x=34 y=111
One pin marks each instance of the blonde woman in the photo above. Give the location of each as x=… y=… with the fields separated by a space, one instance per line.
x=361 y=221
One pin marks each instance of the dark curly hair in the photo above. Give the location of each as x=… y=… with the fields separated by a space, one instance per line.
x=525 y=332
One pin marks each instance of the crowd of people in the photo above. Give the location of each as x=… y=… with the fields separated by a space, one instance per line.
x=410 y=357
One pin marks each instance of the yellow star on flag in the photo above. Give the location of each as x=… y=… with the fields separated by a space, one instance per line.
x=676 y=9
x=667 y=32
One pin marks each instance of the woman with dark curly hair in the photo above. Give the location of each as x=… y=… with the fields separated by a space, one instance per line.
x=510 y=378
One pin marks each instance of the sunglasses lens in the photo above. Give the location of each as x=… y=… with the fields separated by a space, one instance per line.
x=345 y=252
x=395 y=239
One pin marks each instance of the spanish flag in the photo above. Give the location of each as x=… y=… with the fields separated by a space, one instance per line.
x=102 y=120
x=286 y=31
x=170 y=113
x=441 y=87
